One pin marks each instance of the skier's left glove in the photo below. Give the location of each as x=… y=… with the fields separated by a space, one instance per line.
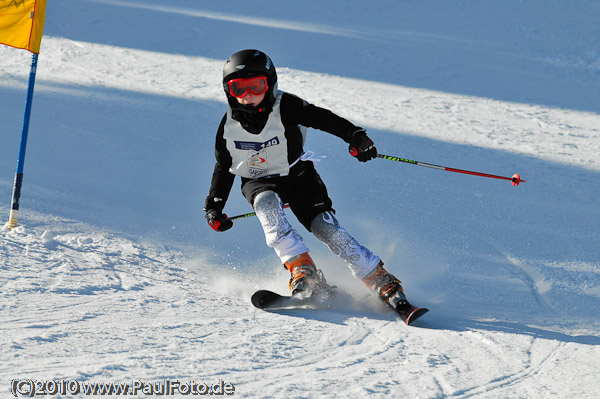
x=362 y=147
x=218 y=221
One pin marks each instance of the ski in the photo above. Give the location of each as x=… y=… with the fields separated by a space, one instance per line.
x=269 y=300
x=411 y=314
x=265 y=299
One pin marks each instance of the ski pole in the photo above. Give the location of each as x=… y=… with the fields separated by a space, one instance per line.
x=247 y=215
x=515 y=179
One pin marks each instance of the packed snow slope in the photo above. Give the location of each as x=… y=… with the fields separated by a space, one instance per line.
x=114 y=276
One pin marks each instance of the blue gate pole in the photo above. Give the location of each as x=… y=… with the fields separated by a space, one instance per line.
x=16 y=197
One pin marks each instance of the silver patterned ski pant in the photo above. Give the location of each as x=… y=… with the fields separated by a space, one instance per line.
x=287 y=242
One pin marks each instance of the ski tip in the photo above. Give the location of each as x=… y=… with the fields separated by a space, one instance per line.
x=414 y=315
x=263 y=298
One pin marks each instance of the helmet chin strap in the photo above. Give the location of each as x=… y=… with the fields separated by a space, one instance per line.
x=253 y=119
x=250 y=108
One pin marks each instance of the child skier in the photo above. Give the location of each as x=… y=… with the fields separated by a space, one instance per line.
x=261 y=139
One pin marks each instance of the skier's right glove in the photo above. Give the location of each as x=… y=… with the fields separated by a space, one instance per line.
x=218 y=221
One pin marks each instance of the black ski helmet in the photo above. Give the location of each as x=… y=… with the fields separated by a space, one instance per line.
x=248 y=63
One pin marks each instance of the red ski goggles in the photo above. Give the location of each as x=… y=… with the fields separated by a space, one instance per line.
x=240 y=87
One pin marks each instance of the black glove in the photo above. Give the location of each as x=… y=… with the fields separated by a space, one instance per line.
x=362 y=147
x=218 y=221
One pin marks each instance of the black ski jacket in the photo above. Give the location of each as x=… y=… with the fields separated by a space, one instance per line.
x=294 y=112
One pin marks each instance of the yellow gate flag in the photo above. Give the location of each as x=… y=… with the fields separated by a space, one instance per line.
x=22 y=23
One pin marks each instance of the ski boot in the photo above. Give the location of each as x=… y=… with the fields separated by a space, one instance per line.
x=389 y=289
x=306 y=280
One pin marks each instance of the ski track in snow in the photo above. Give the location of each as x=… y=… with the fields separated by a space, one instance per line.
x=508 y=319
x=134 y=309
